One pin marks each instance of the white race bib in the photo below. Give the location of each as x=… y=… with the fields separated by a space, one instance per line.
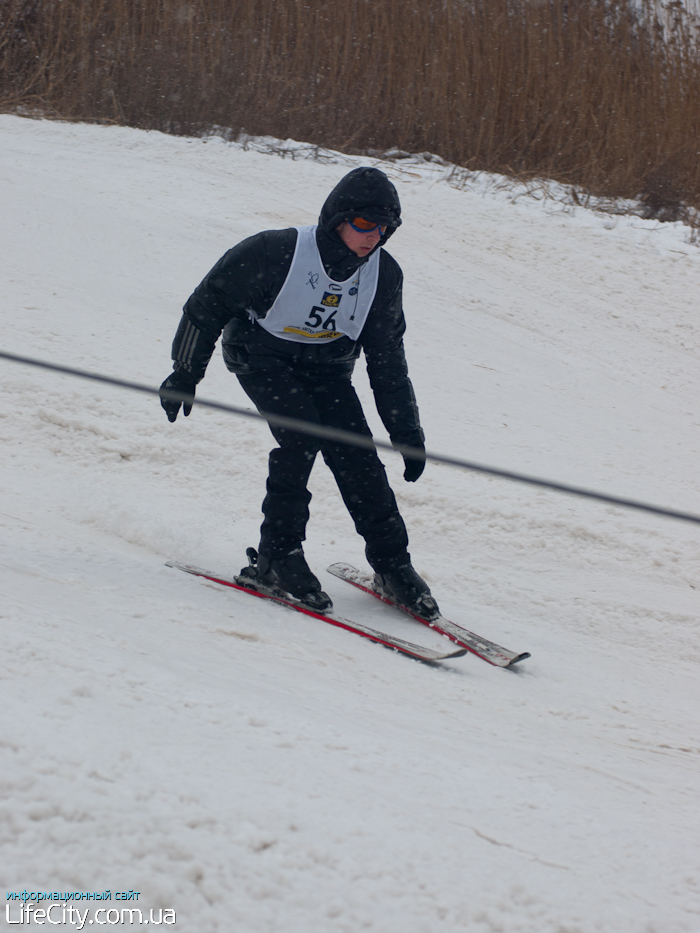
x=313 y=308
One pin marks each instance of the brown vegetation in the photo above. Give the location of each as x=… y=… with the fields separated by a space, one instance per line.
x=584 y=91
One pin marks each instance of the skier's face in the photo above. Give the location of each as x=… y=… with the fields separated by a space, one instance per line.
x=359 y=241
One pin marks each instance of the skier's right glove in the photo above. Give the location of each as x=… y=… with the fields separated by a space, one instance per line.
x=414 y=465
x=178 y=389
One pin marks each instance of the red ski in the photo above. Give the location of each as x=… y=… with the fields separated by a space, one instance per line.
x=389 y=641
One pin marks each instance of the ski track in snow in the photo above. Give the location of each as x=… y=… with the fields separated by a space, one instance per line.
x=258 y=771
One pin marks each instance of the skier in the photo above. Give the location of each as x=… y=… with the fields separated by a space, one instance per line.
x=296 y=306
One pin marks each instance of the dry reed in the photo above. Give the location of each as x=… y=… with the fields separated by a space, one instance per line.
x=591 y=92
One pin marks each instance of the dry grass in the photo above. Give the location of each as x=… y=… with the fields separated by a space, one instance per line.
x=583 y=91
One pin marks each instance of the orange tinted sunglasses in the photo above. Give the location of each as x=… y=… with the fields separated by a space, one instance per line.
x=366 y=226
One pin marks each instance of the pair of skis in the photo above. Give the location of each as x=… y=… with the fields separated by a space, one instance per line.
x=466 y=640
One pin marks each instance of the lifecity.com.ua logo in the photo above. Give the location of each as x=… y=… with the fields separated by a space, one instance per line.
x=58 y=909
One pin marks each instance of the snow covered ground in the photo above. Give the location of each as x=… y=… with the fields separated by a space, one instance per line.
x=255 y=770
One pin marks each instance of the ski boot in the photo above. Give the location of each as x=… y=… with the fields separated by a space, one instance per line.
x=289 y=576
x=407 y=589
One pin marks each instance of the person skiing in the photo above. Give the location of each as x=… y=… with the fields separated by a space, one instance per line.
x=296 y=307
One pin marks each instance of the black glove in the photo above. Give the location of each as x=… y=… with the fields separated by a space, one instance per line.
x=414 y=466
x=181 y=386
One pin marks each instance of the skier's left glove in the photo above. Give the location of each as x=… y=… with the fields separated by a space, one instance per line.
x=414 y=466
x=183 y=385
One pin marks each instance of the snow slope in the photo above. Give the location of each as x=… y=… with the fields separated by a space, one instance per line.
x=255 y=770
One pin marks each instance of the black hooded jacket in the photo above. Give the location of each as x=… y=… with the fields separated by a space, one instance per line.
x=248 y=278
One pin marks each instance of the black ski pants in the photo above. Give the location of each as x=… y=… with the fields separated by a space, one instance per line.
x=328 y=400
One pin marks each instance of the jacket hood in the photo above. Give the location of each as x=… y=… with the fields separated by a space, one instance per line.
x=363 y=191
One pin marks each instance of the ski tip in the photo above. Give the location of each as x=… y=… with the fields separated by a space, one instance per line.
x=427 y=655
x=519 y=657
x=458 y=654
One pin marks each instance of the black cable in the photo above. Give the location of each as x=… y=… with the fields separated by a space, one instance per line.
x=359 y=440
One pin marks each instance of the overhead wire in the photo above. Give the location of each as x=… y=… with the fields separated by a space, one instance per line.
x=359 y=440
